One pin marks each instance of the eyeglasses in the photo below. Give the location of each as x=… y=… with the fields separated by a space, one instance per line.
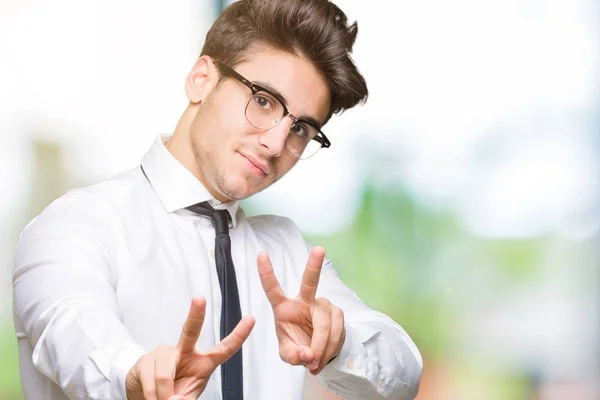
x=265 y=110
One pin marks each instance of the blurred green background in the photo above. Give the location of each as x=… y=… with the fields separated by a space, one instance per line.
x=463 y=199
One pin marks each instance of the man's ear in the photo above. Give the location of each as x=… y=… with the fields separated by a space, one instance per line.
x=201 y=80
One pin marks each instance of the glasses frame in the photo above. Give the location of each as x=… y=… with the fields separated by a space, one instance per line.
x=319 y=137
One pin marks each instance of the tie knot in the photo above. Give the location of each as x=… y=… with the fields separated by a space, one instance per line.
x=219 y=218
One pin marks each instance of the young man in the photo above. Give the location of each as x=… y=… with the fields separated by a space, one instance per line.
x=105 y=275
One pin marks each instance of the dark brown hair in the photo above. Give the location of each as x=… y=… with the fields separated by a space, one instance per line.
x=316 y=29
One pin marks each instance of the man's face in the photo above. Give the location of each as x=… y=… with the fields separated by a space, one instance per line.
x=233 y=158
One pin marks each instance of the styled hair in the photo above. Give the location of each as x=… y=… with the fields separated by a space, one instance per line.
x=315 y=29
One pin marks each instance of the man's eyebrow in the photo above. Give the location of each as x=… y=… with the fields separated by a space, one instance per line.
x=312 y=121
x=281 y=97
x=274 y=91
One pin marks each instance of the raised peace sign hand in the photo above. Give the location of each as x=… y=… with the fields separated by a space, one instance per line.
x=179 y=372
x=310 y=331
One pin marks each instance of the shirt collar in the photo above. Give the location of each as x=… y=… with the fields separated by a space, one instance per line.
x=175 y=185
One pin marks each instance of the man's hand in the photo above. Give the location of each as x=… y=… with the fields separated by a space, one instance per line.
x=310 y=331
x=179 y=372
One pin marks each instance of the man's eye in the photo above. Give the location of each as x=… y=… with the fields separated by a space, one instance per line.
x=263 y=102
x=300 y=131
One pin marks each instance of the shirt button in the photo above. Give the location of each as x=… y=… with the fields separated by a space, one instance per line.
x=212 y=253
x=349 y=363
x=380 y=384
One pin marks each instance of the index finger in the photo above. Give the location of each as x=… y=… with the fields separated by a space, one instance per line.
x=192 y=326
x=312 y=273
x=268 y=280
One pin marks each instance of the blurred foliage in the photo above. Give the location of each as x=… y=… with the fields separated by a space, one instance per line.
x=415 y=263
x=10 y=384
x=387 y=257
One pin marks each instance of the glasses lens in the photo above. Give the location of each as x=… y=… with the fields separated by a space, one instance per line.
x=264 y=111
x=300 y=141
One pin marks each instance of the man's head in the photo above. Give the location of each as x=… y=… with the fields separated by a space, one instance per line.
x=298 y=50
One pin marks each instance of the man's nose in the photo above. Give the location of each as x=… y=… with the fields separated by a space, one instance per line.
x=274 y=139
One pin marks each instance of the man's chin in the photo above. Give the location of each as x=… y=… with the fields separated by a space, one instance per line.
x=237 y=193
x=240 y=190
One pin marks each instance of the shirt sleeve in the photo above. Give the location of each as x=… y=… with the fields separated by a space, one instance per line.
x=64 y=285
x=378 y=359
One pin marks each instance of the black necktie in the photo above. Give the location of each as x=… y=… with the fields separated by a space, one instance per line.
x=231 y=314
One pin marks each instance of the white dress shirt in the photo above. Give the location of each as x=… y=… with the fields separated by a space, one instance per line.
x=106 y=274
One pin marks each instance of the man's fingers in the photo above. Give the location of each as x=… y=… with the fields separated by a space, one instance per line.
x=295 y=354
x=164 y=371
x=337 y=336
x=269 y=280
x=321 y=331
x=192 y=326
x=232 y=342
x=312 y=273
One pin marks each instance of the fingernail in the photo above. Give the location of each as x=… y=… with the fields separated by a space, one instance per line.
x=314 y=364
x=303 y=355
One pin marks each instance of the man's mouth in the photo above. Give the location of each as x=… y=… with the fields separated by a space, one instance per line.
x=256 y=166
